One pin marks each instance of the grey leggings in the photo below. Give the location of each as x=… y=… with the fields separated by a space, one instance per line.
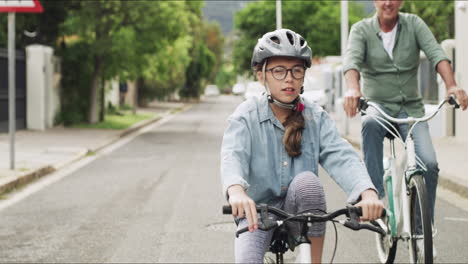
x=304 y=192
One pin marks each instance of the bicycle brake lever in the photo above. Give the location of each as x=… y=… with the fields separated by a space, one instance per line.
x=353 y=214
x=352 y=224
x=262 y=227
x=372 y=228
x=243 y=230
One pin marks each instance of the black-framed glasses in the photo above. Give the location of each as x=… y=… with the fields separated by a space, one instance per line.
x=280 y=72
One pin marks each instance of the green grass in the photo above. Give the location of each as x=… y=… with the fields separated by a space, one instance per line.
x=90 y=153
x=113 y=121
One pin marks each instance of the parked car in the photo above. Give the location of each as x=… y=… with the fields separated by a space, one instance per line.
x=254 y=89
x=211 y=90
x=238 y=89
x=313 y=92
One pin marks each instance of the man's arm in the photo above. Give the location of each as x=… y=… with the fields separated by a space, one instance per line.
x=445 y=70
x=353 y=60
x=353 y=93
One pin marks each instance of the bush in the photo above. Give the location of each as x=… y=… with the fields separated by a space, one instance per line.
x=226 y=78
x=76 y=76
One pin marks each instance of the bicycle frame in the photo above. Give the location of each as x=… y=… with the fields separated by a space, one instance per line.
x=411 y=164
x=396 y=186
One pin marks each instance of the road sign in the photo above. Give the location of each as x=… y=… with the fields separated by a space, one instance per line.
x=11 y=7
x=20 y=6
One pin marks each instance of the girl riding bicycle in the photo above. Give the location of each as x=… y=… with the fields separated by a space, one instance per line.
x=273 y=146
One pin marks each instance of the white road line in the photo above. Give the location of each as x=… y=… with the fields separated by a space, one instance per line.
x=452 y=198
x=457 y=219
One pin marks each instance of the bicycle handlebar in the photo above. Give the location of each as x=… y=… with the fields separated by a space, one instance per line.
x=353 y=213
x=364 y=103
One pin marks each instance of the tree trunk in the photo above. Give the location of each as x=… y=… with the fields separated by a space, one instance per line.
x=102 y=111
x=93 y=103
x=138 y=83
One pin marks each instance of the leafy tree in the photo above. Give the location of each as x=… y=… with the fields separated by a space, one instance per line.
x=165 y=45
x=166 y=70
x=121 y=39
x=438 y=15
x=199 y=69
x=317 y=21
x=202 y=59
x=214 y=40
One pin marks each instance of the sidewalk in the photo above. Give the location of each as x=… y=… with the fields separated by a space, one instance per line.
x=452 y=155
x=38 y=153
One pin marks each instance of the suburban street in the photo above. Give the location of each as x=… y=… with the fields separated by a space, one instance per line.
x=157 y=198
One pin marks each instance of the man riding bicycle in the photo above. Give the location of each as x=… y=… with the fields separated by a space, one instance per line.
x=384 y=50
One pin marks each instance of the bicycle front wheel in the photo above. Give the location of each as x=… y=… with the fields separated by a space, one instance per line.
x=420 y=244
x=386 y=245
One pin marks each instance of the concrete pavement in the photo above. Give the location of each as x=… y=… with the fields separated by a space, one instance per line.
x=38 y=153
x=452 y=155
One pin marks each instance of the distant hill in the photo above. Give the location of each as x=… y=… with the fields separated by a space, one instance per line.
x=223 y=12
x=368 y=6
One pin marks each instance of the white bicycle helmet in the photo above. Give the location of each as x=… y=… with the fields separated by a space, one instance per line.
x=282 y=42
x=287 y=43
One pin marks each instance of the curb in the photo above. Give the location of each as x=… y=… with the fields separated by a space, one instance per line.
x=26 y=178
x=444 y=181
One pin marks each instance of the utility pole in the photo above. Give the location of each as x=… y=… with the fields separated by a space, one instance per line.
x=278 y=15
x=344 y=42
x=11 y=87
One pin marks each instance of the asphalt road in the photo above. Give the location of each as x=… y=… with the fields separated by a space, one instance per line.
x=158 y=198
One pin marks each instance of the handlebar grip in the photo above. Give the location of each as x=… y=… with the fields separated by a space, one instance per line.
x=453 y=101
x=362 y=105
x=359 y=212
x=227 y=209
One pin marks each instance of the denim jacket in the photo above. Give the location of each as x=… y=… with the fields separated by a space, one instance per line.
x=253 y=155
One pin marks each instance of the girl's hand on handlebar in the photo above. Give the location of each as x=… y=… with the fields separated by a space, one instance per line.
x=461 y=95
x=242 y=206
x=371 y=205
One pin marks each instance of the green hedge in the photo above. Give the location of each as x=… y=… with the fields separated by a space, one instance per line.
x=76 y=67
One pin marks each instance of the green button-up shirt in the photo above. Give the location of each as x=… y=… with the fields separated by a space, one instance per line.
x=392 y=83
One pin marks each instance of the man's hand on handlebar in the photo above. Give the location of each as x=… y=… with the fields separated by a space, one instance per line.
x=461 y=95
x=242 y=206
x=351 y=100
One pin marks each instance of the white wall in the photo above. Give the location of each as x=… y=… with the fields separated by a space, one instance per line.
x=112 y=93
x=461 y=67
x=42 y=93
x=130 y=96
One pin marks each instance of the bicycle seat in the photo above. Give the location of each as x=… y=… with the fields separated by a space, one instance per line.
x=393 y=128
x=389 y=136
